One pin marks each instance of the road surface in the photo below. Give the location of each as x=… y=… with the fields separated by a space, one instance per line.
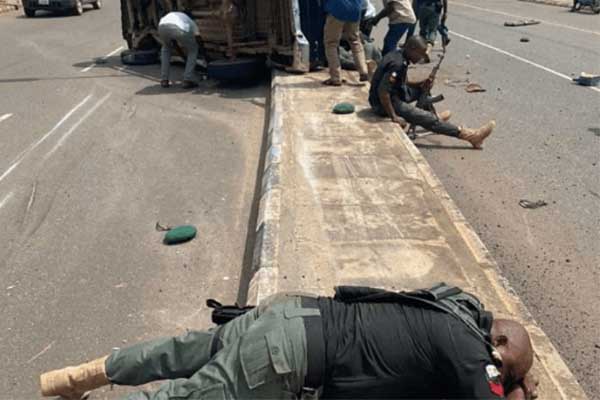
x=546 y=147
x=92 y=157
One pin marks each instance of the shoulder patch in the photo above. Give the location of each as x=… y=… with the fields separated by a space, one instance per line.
x=493 y=377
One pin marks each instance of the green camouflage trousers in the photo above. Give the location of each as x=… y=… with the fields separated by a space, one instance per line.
x=262 y=356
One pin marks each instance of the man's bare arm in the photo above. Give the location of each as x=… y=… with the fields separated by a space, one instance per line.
x=386 y=102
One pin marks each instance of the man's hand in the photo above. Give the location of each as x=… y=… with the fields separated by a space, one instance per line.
x=427 y=84
x=524 y=390
x=530 y=384
x=396 y=119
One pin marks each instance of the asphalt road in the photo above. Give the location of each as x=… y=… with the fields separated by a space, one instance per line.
x=546 y=147
x=92 y=156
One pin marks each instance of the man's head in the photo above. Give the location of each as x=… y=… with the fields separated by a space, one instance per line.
x=415 y=49
x=512 y=342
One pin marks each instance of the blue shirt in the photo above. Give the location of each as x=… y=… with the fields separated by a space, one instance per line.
x=344 y=10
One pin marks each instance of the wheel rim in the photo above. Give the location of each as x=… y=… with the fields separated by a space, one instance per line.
x=79 y=7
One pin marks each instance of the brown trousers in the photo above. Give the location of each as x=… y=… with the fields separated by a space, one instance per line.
x=333 y=31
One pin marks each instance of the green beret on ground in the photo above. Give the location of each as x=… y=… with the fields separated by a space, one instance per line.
x=180 y=234
x=343 y=108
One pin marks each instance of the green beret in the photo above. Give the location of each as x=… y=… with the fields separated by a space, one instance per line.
x=343 y=108
x=180 y=234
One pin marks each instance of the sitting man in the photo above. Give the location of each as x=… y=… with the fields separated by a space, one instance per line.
x=363 y=343
x=391 y=94
x=177 y=29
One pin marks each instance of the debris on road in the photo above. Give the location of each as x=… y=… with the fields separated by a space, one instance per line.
x=180 y=234
x=343 y=108
x=162 y=228
x=524 y=40
x=474 y=88
x=522 y=22
x=585 y=79
x=456 y=82
x=532 y=204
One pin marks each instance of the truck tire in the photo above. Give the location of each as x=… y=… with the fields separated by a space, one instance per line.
x=241 y=69
x=29 y=12
x=139 y=57
x=78 y=9
x=97 y=4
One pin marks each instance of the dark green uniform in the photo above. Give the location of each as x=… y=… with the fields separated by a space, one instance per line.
x=263 y=357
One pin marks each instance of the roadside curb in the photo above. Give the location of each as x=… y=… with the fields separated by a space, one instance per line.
x=558 y=3
x=265 y=267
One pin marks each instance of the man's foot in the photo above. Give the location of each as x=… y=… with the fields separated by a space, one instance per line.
x=363 y=78
x=189 y=84
x=165 y=83
x=445 y=115
x=427 y=58
x=73 y=382
x=332 y=82
x=477 y=136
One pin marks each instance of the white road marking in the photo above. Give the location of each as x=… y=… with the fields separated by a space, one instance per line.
x=112 y=53
x=516 y=57
x=25 y=152
x=522 y=17
x=76 y=125
x=6 y=199
x=5 y=117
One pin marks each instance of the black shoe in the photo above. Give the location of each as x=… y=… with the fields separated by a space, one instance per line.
x=189 y=84
x=165 y=83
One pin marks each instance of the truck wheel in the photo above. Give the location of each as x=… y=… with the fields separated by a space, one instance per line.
x=241 y=69
x=78 y=9
x=97 y=4
x=596 y=7
x=139 y=57
x=30 y=12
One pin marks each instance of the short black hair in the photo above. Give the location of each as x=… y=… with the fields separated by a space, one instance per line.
x=416 y=42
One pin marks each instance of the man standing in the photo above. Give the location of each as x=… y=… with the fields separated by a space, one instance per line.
x=431 y=14
x=401 y=18
x=343 y=18
x=391 y=95
x=363 y=343
x=176 y=28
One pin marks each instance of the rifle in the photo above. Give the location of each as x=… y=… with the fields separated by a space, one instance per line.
x=426 y=101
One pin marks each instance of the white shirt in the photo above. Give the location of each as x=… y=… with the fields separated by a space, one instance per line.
x=370 y=9
x=402 y=12
x=180 y=20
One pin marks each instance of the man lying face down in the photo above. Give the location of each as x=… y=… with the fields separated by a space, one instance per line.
x=437 y=343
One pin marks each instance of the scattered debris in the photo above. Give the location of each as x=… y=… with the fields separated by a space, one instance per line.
x=474 y=88
x=180 y=234
x=524 y=40
x=162 y=228
x=343 y=108
x=38 y=355
x=225 y=278
x=585 y=79
x=456 y=82
x=532 y=204
x=522 y=22
x=121 y=285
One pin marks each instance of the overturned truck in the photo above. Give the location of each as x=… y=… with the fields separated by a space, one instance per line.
x=232 y=30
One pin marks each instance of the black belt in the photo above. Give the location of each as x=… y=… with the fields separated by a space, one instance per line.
x=315 y=346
